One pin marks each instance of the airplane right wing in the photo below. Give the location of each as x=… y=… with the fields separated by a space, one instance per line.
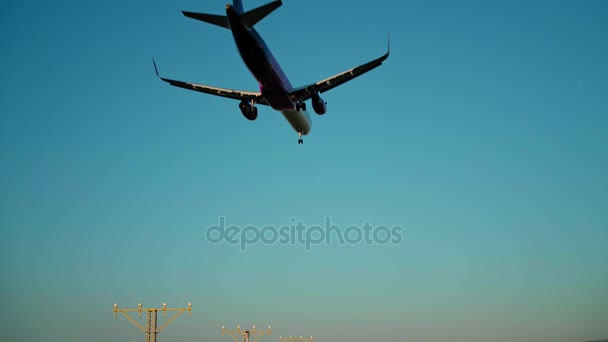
x=306 y=92
x=228 y=93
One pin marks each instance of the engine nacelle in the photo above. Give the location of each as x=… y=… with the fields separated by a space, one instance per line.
x=249 y=111
x=319 y=105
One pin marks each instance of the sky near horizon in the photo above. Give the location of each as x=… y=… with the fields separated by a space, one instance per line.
x=483 y=136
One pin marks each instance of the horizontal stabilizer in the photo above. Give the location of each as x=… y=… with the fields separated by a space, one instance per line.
x=249 y=18
x=252 y=17
x=219 y=20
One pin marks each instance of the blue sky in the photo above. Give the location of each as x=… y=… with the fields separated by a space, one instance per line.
x=483 y=136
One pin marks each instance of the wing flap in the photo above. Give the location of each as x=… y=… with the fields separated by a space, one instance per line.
x=222 y=92
x=306 y=92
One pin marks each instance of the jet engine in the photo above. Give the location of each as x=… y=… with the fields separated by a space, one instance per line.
x=249 y=111
x=319 y=105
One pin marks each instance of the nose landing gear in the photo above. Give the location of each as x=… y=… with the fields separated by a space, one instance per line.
x=300 y=140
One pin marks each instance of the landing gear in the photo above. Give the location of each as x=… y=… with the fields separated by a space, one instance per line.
x=300 y=105
x=300 y=140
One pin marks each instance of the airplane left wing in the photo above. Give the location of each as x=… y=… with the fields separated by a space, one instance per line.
x=306 y=92
x=228 y=93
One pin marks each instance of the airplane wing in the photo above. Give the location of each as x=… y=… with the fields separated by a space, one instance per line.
x=229 y=93
x=306 y=92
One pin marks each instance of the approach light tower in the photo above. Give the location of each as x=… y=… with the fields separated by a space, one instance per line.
x=151 y=329
x=295 y=339
x=246 y=333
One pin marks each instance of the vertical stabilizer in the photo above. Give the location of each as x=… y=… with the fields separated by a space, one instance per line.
x=238 y=6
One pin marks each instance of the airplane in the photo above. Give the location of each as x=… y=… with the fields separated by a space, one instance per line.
x=275 y=89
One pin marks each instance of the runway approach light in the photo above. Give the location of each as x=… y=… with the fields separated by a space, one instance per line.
x=295 y=339
x=244 y=334
x=151 y=329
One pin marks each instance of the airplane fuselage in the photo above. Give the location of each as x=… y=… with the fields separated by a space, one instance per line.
x=273 y=82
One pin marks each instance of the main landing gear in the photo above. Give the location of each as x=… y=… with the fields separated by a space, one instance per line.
x=300 y=105
x=300 y=140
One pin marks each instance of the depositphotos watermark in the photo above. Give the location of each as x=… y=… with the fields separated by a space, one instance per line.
x=299 y=234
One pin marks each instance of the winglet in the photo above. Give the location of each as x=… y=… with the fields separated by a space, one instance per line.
x=155 y=69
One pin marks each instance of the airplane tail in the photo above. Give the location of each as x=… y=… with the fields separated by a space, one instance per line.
x=238 y=6
x=249 y=18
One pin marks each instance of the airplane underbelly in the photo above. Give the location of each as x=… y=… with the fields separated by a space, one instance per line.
x=276 y=96
x=279 y=102
x=300 y=121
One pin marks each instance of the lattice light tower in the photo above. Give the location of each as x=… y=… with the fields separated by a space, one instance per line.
x=295 y=339
x=151 y=329
x=246 y=333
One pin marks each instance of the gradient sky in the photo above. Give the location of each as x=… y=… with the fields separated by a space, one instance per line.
x=484 y=136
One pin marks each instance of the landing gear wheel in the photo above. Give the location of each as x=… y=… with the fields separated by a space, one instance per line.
x=303 y=105
x=298 y=106
x=300 y=140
